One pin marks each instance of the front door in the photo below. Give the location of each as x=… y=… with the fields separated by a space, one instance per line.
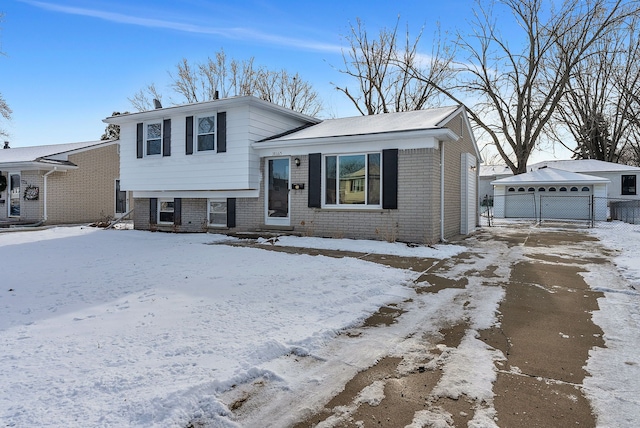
x=277 y=192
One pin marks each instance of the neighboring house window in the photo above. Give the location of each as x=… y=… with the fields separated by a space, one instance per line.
x=217 y=213
x=352 y=179
x=153 y=138
x=628 y=184
x=206 y=133
x=165 y=210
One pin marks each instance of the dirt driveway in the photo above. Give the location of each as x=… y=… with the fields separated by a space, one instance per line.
x=545 y=332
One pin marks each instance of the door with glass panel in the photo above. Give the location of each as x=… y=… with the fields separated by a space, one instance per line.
x=14 y=195
x=277 y=192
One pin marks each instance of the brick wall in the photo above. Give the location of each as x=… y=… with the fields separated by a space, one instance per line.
x=85 y=194
x=30 y=210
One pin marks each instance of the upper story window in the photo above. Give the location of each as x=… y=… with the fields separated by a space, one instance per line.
x=352 y=180
x=628 y=184
x=153 y=138
x=206 y=133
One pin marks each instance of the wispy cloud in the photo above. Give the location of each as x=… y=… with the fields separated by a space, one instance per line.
x=237 y=33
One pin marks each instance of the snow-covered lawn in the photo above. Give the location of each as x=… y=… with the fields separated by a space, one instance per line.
x=129 y=328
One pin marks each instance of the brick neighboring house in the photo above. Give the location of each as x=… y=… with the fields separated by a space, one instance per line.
x=61 y=184
x=243 y=164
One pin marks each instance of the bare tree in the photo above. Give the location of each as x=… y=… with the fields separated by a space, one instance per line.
x=279 y=87
x=5 y=110
x=223 y=77
x=598 y=109
x=143 y=99
x=517 y=80
x=381 y=69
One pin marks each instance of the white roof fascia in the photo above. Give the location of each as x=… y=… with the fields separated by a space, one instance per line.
x=196 y=108
x=365 y=142
x=585 y=166
x=36 y=165
x=197 y=194
x=563 y=177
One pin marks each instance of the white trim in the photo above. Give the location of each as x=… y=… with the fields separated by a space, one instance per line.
x=402 y=140
x=197 y=194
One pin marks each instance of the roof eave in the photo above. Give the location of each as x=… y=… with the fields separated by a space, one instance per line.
x=37 y=165
x=196 y=108
x=442 y=134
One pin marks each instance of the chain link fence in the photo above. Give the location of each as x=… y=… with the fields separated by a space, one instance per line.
x=568 y=209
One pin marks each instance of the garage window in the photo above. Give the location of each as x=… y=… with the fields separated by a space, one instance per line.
x=585 y=189
x=574 y=189
x=552 y=189
x=511 y=189
x=541 y=189
x=628 y=184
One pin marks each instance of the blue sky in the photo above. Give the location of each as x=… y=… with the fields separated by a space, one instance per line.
x=69 y=64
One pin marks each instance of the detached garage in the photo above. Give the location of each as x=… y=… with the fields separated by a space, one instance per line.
x=550 y=193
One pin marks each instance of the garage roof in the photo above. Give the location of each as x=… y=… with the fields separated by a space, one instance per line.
x=546 y=176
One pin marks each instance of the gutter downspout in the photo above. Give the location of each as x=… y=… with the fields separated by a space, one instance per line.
x=44 y=199
x=441 y=191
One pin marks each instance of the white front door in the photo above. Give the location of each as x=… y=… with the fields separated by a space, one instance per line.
x=277 y=192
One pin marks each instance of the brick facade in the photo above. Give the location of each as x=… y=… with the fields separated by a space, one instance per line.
x=416 y=219
x=81 y=195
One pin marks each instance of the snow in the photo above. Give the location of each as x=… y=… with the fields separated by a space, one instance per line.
x=131 y=328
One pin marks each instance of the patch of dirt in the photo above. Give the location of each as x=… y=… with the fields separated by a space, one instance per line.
x=386 y=315
x=438 y=283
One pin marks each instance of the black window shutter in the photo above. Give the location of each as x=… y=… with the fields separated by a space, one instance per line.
x=222 y=132
x=231 y=212
x=153 y=211
x=390 y=179
x=166 y=137
x=177 y=211
x=189 y=136
x=315 y=180
x=140 y=140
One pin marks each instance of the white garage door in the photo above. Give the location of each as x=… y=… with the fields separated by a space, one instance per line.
x=520 y=205
x=565 y=207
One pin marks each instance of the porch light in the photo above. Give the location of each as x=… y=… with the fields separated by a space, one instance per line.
x=297 y=161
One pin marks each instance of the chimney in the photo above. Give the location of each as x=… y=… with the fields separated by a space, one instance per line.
x=157 y=103
x=216 y=95
x=6 y=145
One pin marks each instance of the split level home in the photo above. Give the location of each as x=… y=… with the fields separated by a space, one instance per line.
x=242 y=164
x=60 y=183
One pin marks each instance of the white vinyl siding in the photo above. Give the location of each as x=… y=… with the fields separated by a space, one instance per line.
x=236 y=169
